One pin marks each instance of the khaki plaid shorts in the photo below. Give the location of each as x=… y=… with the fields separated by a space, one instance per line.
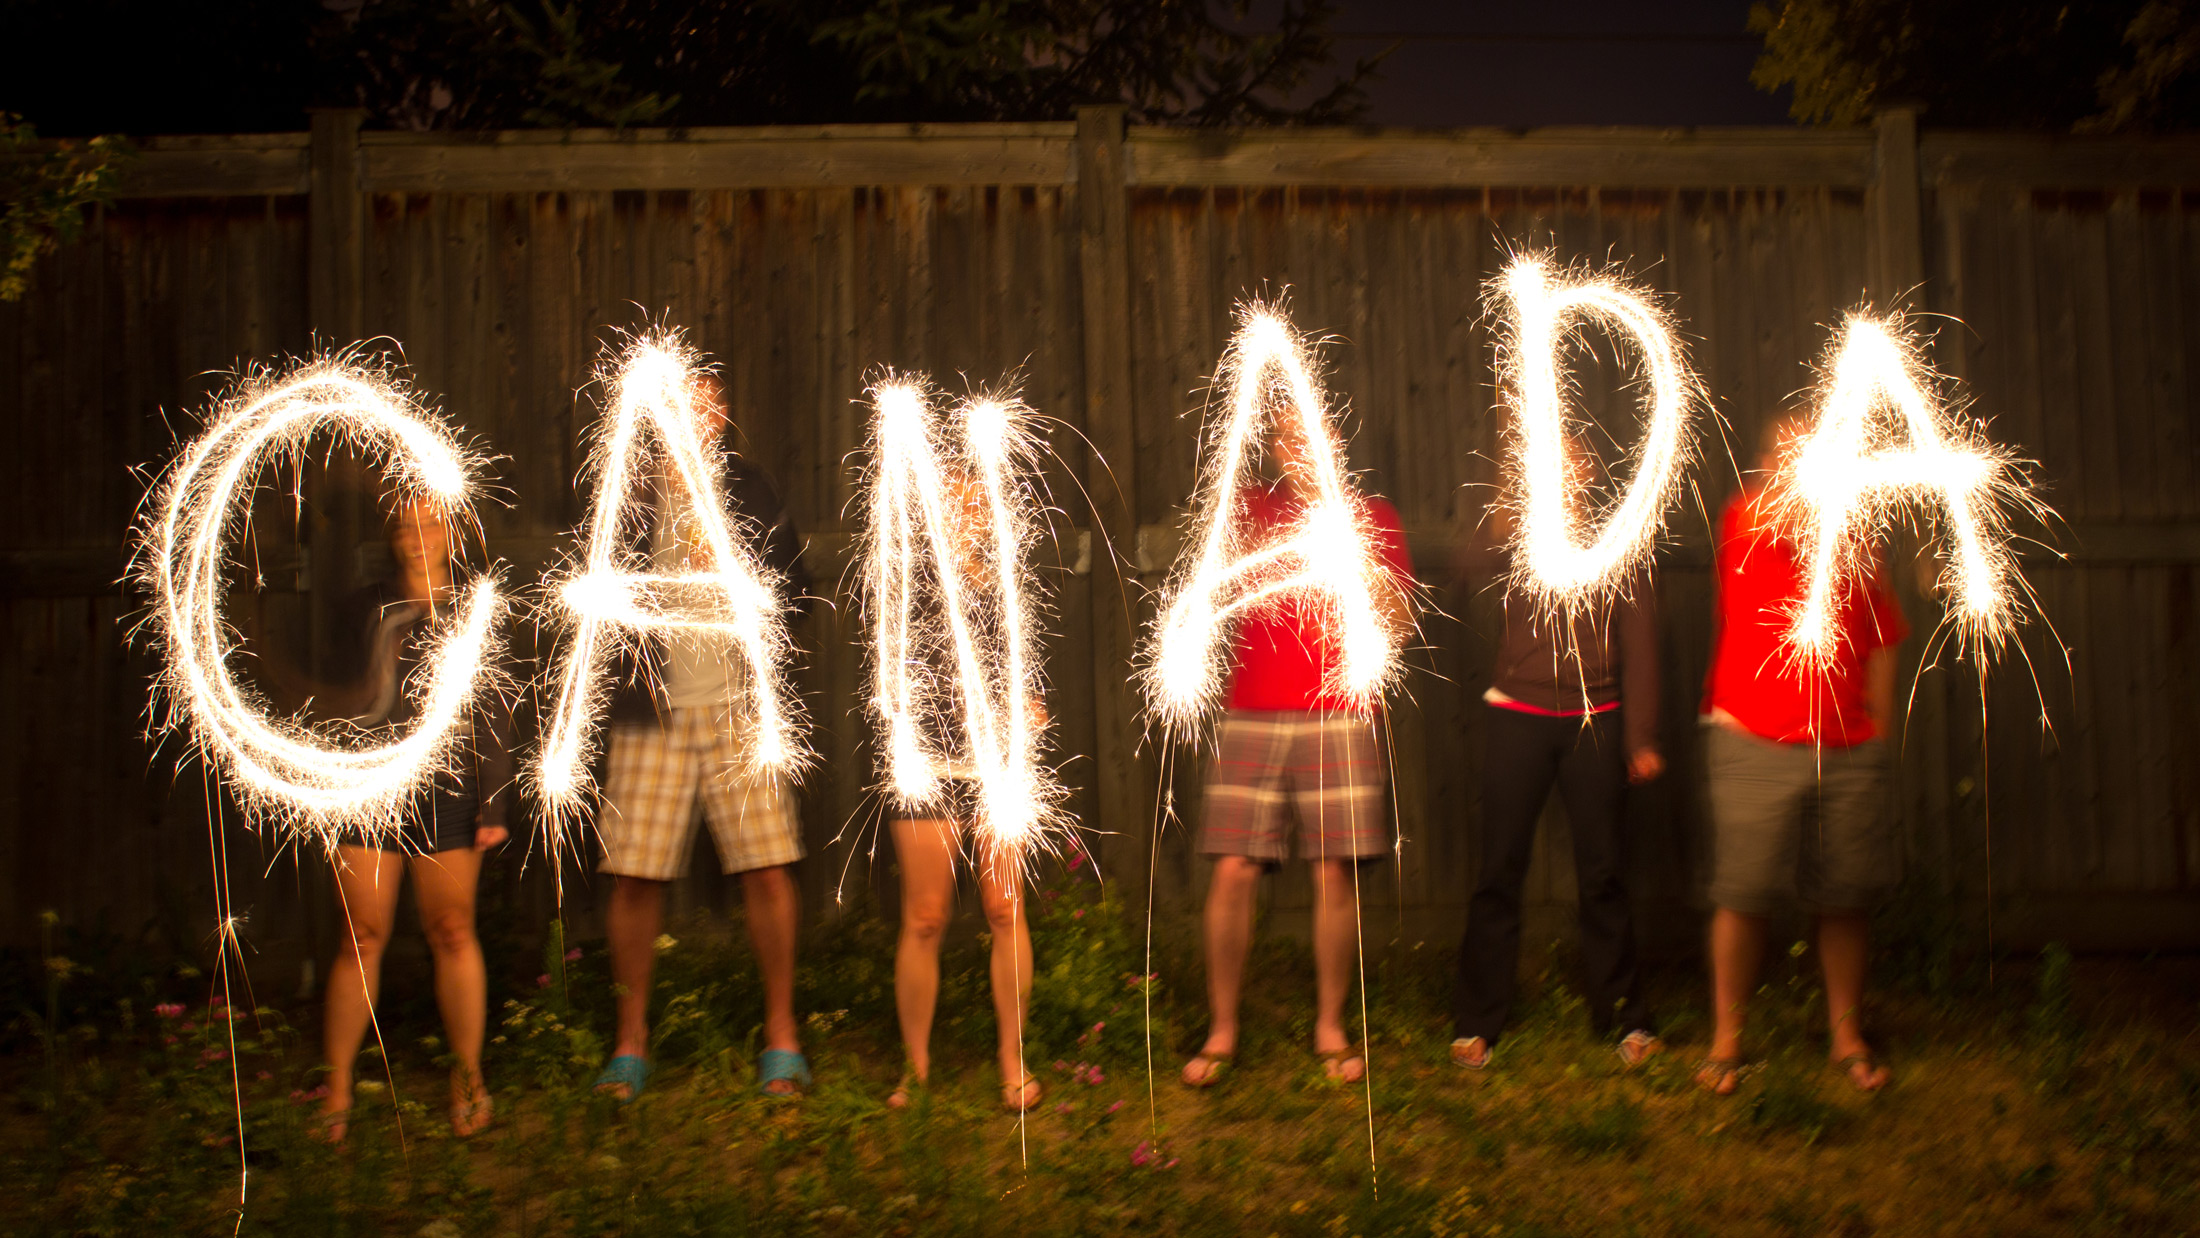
x=1267 y=762
x=648 y=820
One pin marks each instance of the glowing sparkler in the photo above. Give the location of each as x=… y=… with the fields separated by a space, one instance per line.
x=1558 y=559
x=1327 y=559
x=1848 y=480
x=614 y=595
x=953 y=642
x=285 y=771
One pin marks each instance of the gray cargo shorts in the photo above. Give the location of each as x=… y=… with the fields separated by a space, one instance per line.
x=1793 y=823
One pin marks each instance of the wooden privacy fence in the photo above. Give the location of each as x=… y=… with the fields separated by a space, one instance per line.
x=1100 y=266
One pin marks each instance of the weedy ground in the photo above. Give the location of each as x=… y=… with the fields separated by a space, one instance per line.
x=2062 y=1098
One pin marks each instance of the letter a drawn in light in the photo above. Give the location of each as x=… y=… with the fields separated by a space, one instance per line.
x=614 y=597
x=1849 y=479
x=1328 y=559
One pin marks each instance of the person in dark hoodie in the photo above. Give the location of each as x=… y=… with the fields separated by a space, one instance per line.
x=1573 y=703
x=674 y=739
x=444 y=834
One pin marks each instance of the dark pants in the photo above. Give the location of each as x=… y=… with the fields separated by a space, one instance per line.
x=1526 y=755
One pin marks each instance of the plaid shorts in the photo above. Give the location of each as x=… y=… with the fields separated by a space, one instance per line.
x=648 y=822
x=1325 y=765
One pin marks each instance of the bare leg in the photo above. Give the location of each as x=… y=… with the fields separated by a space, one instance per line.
x=445 y=884
x=926 y=852
x=632 y=921
x=1002 y=894
x=1737 y=949
x=774 y=908
x=366 y=888
x=1844 y=940
x=1229 y=929
x=1336 y=941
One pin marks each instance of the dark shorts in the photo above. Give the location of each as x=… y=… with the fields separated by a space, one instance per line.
x=443 y=819
x=1794 y=824
x=1269 y=763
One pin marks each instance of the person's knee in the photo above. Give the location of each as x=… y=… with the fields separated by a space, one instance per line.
x=924 y=923
x=1002 y=914
x=365 y=939
x=450 y=930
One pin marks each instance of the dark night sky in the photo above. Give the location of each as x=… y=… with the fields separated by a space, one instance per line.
x=1559 y=62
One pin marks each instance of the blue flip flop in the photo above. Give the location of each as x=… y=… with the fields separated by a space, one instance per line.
x=773 y=1065
x=627 y=1070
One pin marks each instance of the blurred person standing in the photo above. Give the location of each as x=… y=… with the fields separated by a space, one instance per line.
x=1288 y=747
x=1799 y=761
x=1572 y=704
x=445 y=831
x=677 y=740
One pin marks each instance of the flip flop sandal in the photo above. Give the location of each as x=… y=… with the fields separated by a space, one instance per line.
x=628 y=1071
x=1459 y=1059
x=1715 y=1074
x=1013 y=1095
x=904 y=1093
x=1333 y=1061
x=1218 y=1064
x=774 y=1065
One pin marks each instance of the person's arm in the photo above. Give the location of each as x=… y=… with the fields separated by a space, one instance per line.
x=1638 y=679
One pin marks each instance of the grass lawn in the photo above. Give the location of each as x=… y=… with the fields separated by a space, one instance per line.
x=2062 y=1099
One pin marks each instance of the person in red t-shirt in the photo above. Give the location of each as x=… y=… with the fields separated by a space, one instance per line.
x=1798 y=761
x=1287 y=743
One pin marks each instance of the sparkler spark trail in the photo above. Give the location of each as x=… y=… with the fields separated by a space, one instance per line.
x=945 y=647
x=284 y=771
x=1558 y=561
x=1848 y=481
x=1328 y=559
x=613 y=594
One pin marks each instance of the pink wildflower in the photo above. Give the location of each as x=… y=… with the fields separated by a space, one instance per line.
x=1142 y=1155
x=572 y=954
x=1117 y=1105
x=542 y=981
x=169 y=1010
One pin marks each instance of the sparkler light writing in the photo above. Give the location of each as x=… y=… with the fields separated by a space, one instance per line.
x=952 y=626
x=1557 y=560
x=614 y=595
x=285 y=771
x=1328 y=559
x=1848 y=480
